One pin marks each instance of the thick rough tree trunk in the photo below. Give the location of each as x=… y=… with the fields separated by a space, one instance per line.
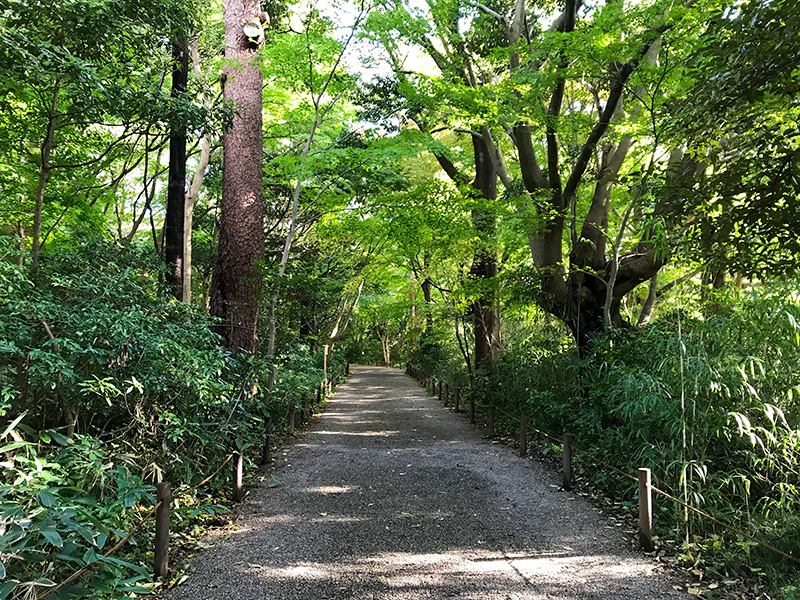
x=237 y=282
x=176 y=187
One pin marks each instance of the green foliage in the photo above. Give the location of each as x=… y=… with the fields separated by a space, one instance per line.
x=739 y=119
x=63 y=503
x=710 y=405
x=153 y=395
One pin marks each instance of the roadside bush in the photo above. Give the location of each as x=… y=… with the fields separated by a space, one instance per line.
x=108 y=385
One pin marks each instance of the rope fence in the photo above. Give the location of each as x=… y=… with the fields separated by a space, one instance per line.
x=643 y=478
x=164 y=498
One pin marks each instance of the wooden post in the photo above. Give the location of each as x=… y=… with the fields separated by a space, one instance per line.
x=161 y=555
x=492 y=415
x=446 y=394
x=440 y=391
x=523 y=435
x=347 y=369
x=645 y=511
x=566 y=456
x=456 y=399
x=319 y=396
x=325 y=366
x=238 y=488
x=292 y=410
x=266 y=458
x=472 y=409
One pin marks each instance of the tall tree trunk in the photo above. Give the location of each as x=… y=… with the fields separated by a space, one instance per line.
x=44 y=175
x=237 y=282
x=176 y=187
x=486 y=316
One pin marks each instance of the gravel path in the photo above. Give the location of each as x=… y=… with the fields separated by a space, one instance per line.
x=392 y=496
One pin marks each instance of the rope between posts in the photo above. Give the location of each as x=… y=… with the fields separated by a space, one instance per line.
x=207 y=479
x=685 y=505
x=544 y=433
x=727 y=525
x=133 y=532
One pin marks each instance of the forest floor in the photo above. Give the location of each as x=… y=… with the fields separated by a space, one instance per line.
x=390 y=495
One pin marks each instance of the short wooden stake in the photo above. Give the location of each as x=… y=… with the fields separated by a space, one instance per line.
x=440 y=391
x=161 y=555
x=319 y=396
x=447 y=394
x=566 y=464
x=492 y=415
x=266 y=454
x=238 y=488
x=645 y=511
x=472 y=409
x=292 y=410
x=457 y=397
x=347 y=369
x=523 y=436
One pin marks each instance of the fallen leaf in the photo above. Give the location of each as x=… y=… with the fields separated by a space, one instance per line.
x=694 y=591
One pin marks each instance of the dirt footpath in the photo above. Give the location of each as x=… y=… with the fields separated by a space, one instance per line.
x=392 y=496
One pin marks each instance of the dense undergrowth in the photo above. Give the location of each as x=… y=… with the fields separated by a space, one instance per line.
x=709 y=402
x=107 y=385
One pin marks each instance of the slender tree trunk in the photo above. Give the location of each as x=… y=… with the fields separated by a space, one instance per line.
x=387 y=350
x=176 y=187
x=346 y=313
x=194 y=187
x=44 y=175
x=237 y=282
x=428 y=297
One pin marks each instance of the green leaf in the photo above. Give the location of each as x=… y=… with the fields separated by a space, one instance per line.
x=101 y=540
x=14 y=446
x=59 y=438
x=6 y=589
x=90 y=556
x=47 y=499
x=123 y=563
x=2 y=570
x=11 y=425
x=52 y=536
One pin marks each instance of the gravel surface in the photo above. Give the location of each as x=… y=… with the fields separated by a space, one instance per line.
x=392 y=496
